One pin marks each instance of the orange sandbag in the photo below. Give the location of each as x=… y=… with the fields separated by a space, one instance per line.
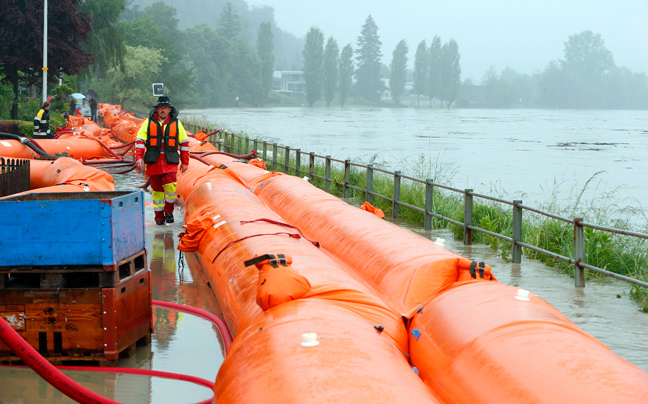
x=372 y=209
x=485 y=342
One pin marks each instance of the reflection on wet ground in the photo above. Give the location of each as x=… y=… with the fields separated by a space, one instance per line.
x=185 y=344
x=181 y=343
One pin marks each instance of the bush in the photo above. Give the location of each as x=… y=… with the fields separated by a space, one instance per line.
x=10 y=127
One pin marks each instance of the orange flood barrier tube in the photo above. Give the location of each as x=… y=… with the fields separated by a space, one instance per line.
x=66 y=175
x=77 y=148
x=360 y=356
x=405 y=268
x=469 y=337
x=487 y=343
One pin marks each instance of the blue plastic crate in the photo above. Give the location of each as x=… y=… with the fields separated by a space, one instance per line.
x=84 y=228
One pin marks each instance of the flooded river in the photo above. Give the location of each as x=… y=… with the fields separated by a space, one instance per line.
x=523 y=154
x=185 y=344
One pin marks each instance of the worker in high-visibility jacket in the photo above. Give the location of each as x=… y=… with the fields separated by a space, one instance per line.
x=41 y=123
x=161 y=146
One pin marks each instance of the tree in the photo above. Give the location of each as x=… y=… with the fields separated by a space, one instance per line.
x=133 y=83
x=158 y=29
x=265 y=53
x=585 y=53
x=211 y=56
x=21 y=42
x=313 y=58
x=346 y=73
x=331 y=69
x=398 y=77
x=450 y=72
x=107 y=39
x=246 y=73
x=421 y=66
x=498 y=91
x=228 y=22
x=434 y=70
x=368 y=57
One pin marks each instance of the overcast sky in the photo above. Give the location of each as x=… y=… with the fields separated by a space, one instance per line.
x=522 y=34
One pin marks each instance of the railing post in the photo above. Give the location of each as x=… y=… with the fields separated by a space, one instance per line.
x=311 y=165
x=287 y=160
x=579 y=252
x=396 y=199
x=255 y=146
x=274 y=157
x=297 y=162
x=368 y=196
x=240 y=144
x=347 y=177
x=247 y=145
x=517 y=231
x=468 y=213
x=429 y=204
x=327 y=173
x=225 y=146
x=265 y=150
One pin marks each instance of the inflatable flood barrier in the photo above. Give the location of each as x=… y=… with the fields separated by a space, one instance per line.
x=458 y=327
x=375 y=313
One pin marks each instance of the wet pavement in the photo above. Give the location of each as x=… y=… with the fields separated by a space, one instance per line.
x=181 y=343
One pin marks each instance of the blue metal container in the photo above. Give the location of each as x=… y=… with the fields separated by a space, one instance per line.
x=65 y=229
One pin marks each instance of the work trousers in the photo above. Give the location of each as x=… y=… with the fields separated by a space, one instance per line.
x=163 y=188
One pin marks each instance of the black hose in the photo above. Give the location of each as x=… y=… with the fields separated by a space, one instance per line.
x=27 y=142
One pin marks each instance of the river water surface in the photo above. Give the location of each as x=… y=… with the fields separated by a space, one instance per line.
x=525 y=154
x=521 y=150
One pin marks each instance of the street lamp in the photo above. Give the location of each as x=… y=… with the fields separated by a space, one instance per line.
x=45 y=53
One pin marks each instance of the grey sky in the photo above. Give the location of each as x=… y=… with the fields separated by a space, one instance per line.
x=522 y=34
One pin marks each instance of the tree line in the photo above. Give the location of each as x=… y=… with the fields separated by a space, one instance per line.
x=328 y=72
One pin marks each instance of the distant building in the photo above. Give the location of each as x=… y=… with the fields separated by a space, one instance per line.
x=288 y=82
x=386 y=96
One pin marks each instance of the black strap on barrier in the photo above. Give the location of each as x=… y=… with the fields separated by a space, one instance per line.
x=274 y=261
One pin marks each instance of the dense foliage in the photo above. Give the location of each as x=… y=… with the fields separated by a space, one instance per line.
x=398 y=71
x=21 y=42
x=331 y=69
x=313 y=59
x=368 y=57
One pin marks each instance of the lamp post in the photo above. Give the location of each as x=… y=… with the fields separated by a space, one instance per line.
x=45 y=53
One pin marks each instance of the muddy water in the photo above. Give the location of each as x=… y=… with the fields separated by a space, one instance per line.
x=531 y=155
x=185 y=344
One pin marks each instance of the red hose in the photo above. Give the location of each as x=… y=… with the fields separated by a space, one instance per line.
x=199 y=159
x=124 y=145
x=81 y=394
x=248 y=156
x=46 y=370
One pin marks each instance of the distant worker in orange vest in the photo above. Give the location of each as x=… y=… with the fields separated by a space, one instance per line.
x=161 y=145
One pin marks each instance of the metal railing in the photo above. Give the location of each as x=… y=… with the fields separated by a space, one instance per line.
x=14 y=176
x=237 y=144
